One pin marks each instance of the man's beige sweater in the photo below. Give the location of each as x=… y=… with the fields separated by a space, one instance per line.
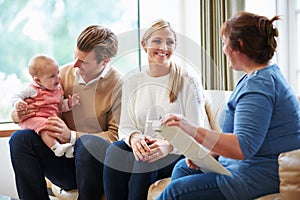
x=100 y=103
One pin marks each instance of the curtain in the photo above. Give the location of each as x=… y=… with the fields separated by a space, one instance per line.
x=215 y=70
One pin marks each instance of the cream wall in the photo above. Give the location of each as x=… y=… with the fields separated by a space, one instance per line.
x=7 y=178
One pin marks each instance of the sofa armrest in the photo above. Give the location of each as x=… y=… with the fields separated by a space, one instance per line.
x=289 y=174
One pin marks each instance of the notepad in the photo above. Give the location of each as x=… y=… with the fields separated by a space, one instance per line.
x=191 y=149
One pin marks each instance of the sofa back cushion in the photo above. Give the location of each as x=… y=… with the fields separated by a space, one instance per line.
x=289 y=174
x=216 y=101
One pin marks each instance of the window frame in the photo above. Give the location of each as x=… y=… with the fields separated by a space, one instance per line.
x=183 y=25
x=287 y=53
x=293 y=50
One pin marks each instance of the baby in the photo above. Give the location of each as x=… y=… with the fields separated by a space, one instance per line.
x=47 y=94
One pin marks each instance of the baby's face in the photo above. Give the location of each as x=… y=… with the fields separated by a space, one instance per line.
x=50 y=78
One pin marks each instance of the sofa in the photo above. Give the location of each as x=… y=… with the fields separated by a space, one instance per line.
x=289 y=162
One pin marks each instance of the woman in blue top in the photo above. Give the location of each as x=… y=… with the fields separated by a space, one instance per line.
x=262 y=120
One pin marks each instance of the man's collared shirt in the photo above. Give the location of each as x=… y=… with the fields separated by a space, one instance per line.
x=80 y=80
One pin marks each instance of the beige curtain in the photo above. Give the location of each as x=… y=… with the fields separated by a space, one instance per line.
x=216 y=72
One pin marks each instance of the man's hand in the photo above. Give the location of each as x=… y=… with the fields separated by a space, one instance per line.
x=58 y=129
x=22 y=114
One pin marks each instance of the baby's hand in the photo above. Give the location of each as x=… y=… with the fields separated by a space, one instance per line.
x=21 y=105
x=73 y=100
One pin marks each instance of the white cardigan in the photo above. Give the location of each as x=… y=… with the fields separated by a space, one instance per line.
x=147 y=98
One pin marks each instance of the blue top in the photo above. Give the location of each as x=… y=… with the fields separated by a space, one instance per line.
x=264 y=112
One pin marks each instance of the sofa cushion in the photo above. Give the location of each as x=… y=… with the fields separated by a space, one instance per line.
x=64 y=195
x=275 y=196
x=289 y=174
x=61 y=194
x=156 y=188
x=216 y=101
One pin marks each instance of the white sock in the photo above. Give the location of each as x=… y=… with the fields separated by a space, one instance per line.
x=60 y=149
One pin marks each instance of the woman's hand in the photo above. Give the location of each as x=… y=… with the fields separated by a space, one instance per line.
x=149 y=149
x=181 y=122
x=58 y=129
x=139 y=144
x=191 y=165
x=159 y=149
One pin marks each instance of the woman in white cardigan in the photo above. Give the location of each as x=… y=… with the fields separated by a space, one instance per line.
x=142 y=156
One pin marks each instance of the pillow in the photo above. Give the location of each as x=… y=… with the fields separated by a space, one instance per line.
x=156 y=188
x=289 y=174
x=216 y=101
x=64 y=195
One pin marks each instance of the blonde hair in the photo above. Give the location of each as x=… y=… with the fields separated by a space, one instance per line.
x=38 y=63
x=176 y=76
x=100 y=39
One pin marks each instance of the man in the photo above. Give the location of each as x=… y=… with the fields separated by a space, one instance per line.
x=90 y=127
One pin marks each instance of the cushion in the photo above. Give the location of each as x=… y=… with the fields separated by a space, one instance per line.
x=156 y=188
x=67 y=195
x=64 y=195
x=289 y=173
x=216 y=101
x=275 y=196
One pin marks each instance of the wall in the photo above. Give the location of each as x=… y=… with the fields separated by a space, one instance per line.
x=7 y=179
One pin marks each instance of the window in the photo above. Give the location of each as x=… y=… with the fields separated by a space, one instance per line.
x=30 y=27
x=184 y=17
x=40 y=26
x=288 y=52
x=294 y=10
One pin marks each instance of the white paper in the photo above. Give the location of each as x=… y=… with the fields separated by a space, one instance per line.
x=191 y=149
